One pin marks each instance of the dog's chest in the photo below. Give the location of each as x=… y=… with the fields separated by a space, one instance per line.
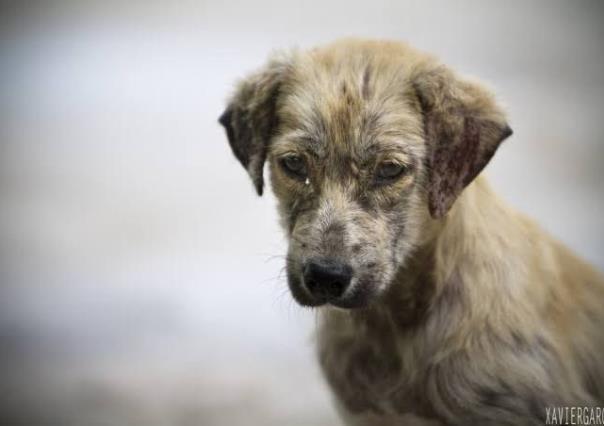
x=367 y=371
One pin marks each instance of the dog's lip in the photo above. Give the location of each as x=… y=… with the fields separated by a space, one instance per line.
x=342 y=304
x=311 y=302
x=346 y=304
x=355 y=300
x=350 y=302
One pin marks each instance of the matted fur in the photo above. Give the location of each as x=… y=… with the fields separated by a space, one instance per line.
x=466 y=311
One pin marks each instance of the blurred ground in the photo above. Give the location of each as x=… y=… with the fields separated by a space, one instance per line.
x=140 y=274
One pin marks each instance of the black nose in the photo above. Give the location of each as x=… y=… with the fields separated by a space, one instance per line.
x=327 y=278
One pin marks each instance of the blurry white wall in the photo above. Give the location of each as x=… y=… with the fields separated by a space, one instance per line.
x=141 y=277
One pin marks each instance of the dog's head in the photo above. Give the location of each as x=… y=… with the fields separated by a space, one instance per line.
x=369 y=144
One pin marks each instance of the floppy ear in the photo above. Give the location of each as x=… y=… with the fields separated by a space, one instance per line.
x=463 y=127
x=250 y=118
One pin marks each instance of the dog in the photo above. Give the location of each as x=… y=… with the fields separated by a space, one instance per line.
x=438 y=303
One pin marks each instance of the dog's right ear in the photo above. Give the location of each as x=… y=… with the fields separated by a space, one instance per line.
x=463 y=127
x=250 y=119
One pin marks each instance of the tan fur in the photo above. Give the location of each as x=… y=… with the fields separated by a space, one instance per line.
x=467 y=312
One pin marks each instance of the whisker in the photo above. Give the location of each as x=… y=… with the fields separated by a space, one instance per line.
x=273 y=257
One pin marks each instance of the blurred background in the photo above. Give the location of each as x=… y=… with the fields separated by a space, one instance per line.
x=141 y=277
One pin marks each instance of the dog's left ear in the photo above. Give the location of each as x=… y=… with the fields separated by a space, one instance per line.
x=250 y=118
x=463 y=128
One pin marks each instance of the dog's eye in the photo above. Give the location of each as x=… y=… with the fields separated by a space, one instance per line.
x=294 y=165
x=389 y=171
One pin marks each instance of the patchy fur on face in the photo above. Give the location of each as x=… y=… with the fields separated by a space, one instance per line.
x=345 y=123
x=352 y=133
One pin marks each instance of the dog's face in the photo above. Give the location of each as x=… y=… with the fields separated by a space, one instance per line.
x=368 y=144
x=347 y=168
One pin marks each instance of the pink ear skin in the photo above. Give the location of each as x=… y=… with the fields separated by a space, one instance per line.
x=463 y=127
